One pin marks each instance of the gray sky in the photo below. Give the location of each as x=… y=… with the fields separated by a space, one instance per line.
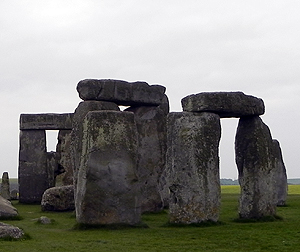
x=189 y=46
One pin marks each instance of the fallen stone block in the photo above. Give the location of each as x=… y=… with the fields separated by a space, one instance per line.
x=59 y=198
x=6 y=209
x=9 y=231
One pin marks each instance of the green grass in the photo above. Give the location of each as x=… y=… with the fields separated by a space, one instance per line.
x=281 y=235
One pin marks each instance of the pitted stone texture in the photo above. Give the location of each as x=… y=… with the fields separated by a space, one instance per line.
x=108 y=190
x=6 y=209
x=152 y=134
x=63 y=150
x=33 y=171
x=5 y=191
x=225 y=104
x=256 y=166
x=193 y=167
x=14 y=194
x=52 y=168
x=281 y=177
x=121 y=92
x=45 y=121
x=44 y=220
x=7 y=230
x=77 y=132
x=58 y=199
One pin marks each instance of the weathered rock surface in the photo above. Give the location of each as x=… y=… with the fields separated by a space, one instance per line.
x=121 y=92
x=5 y=190
x=33 y=171
x=256 y=166
x=45 y=121
x=64 y=157
x=44 y=220
x=6 y=209
x=193 y=167
x=7 y=230
x=152 y=137
x=225 y=104
x=58 y=199
x=108 y=189
x=77 y=132
x=52 y=168
x=14 y=194
x=280 y=175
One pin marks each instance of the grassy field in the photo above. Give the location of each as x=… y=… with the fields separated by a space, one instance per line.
x=283 y=235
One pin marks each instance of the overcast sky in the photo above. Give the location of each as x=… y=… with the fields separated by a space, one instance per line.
x=189 y=46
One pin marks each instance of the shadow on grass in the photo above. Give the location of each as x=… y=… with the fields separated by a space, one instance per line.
x=201 y=224
x=17 y=218
x=261 y=219
x=121 y=226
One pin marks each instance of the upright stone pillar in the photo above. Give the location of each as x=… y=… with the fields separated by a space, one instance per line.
x=193 y=167
x=63 y=150
x=256 y=167
x=77 y=131
x=52 y=168
x=33 y=175
x=280 y=175
x=108 y=189
x=152 y=134
x=5 y=190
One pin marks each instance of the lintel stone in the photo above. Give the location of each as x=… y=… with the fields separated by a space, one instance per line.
x=121 y=92
x=46 y=121
x=225 y=104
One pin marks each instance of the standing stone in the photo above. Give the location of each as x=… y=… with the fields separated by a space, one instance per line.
x=152 y=134
x=52 y=168
x=77 y=131
x=33 y=175
x=63 y=150
x=256 y=167
x=193 y=167
x=281 y=177
x=5 y=191
x=108 y=190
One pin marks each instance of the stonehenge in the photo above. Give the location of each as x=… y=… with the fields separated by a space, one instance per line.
x=121 y=163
